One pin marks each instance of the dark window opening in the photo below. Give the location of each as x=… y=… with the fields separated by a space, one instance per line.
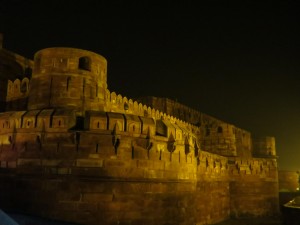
x=68 y=82
x=220 y=130
x=98 y=125
x=59 y=123
x=126 y=107
x=28 y=123
x=207 y=132
x=85 y=63
x=38 y=139
x=24 y=87
x=133 y=128
x=91 y=92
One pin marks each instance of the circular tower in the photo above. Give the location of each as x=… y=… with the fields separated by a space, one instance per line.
x=68 y=78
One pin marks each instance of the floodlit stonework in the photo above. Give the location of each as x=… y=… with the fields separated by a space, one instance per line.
x=74 y=151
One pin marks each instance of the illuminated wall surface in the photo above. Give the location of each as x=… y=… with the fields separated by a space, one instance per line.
x=74 y=151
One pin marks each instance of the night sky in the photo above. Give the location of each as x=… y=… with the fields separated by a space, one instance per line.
x=238 y=63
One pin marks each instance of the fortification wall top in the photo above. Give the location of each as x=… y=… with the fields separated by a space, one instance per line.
x=68 y=60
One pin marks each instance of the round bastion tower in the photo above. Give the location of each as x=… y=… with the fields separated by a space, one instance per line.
x=68 y=78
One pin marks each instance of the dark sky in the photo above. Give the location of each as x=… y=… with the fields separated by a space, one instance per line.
x=238 y=63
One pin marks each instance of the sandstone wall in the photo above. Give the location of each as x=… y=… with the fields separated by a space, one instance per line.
x=254 y=188
x=72 y=150
x=84 y=177
x=90 y=201
x=91 y=181
x=12 y=67
x=68 y=78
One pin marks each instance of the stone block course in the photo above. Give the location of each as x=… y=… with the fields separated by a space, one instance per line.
x=72 y=150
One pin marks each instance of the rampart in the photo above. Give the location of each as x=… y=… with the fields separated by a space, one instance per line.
x=80 y=153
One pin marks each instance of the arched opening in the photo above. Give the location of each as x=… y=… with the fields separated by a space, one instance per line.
x=98 y=124
x=84 y=63
x=220 y=130
x=59 y=123
x=24 y=87
x=126 y=107
x=187 y=146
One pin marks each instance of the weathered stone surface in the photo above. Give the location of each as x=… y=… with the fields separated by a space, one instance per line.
x=72 y=150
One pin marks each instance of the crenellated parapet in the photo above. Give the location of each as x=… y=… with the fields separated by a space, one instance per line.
x=13 y=69
x=17 y=89
x=119 y=104
x=257 y=167
x=104 y=149
x=216 y=136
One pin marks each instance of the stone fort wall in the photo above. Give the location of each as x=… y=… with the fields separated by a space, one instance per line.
x=72 y=150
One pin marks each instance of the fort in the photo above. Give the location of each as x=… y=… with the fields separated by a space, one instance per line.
x=72 y=150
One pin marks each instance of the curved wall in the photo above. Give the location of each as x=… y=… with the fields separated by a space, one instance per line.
x=68 y=78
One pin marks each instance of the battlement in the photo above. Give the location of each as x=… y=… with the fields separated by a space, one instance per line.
x=62 y=127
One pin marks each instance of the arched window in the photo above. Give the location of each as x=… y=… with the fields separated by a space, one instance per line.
x=24 y=87
x=126 y=107
x=98 y=125
x=84 y=63
x=220 y=130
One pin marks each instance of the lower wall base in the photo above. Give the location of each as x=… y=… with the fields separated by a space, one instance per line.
x=254 y=198
x=107 y=202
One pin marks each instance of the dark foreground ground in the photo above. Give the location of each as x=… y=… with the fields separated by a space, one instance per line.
x=29 y=220
x=21 y=219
